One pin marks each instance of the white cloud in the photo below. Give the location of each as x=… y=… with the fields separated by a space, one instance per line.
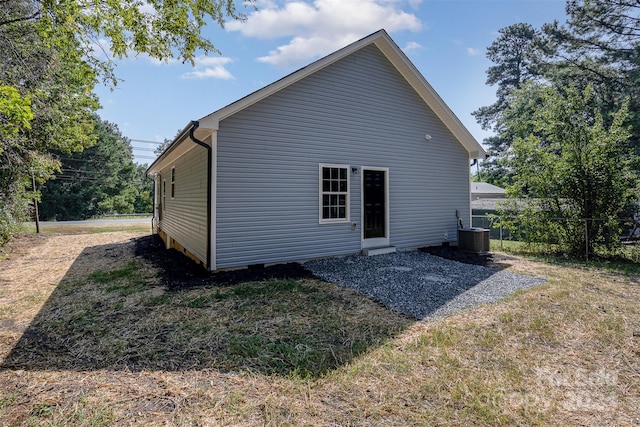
x=301 y=49
x=318 y=27
x=473 y=51
x=412 y=46
x=207 y=67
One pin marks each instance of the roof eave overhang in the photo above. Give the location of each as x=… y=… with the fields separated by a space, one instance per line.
x=389 y=48
x=180 y=145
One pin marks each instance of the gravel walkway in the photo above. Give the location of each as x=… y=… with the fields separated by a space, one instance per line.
x=418 y=284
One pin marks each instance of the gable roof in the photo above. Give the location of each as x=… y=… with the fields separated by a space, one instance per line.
x=393 y=53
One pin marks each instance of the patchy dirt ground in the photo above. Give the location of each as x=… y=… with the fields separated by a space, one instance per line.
x=56 y=254
x=564 y=353
x=35 y=265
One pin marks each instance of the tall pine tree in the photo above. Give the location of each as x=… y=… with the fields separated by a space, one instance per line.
x=517 y=60
x=600 y=46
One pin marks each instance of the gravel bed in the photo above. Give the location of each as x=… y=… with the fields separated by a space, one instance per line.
x=418 y=284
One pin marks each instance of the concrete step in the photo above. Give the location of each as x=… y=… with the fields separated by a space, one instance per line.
x=379 y=251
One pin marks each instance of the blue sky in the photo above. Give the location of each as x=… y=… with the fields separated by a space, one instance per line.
x=445 y=39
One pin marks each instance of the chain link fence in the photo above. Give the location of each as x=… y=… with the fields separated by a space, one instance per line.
x=558 y=231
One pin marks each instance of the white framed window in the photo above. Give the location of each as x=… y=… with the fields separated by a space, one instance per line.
x=334 y=189
x=173 y=182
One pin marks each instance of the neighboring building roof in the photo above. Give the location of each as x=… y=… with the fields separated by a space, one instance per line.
x=487 y=204
x=394 y=54
x=512 y=205
x=486 y=191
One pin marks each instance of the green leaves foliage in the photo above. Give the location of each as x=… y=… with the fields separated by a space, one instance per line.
x=53 y=80
x=15 y=112
x=516 y=61
x=568 y=163
x=102 y=179
x=161 y=29
x=566 y=122
x=598 y=46
x=52 y=53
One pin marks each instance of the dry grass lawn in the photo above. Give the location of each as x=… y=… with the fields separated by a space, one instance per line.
x=89 y=336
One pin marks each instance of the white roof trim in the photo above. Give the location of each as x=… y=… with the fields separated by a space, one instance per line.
x=395 y=55
x=176 y=149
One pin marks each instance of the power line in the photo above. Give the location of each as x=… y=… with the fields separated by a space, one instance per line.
x=76 y=178
x=86 y=173
x=93 y=160
x=146 y=141
x=77 y=160
x=67 y=169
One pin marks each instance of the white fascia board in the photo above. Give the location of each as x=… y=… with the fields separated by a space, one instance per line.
x=402 y=63
x=178 y=147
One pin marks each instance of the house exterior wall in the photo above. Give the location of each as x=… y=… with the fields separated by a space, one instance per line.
x=183 y=218
x=359 y=111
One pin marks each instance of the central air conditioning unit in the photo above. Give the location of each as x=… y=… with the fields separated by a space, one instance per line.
x=474 y=240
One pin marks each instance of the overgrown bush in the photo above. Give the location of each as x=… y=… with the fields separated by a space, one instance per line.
x=13 y=212
x=570 y=236
x=575 y=173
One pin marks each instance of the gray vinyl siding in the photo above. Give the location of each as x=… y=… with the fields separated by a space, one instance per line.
x=184 y=217
x=358 y=111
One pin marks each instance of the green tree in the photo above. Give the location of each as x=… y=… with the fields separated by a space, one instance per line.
x=15 y=113
x=158 y=28
x=569 y=164
x=55 y=83
x=52 y=53
x=600 y=46
x=102 y=179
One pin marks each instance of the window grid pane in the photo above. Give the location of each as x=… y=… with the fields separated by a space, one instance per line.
x=334 y=192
